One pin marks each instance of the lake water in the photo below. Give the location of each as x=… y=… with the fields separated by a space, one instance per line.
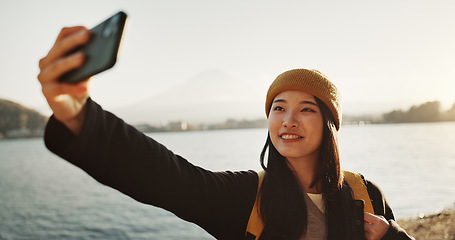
x=44 y=197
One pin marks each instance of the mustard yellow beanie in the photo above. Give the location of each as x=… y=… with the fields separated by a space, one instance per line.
x=310 y=81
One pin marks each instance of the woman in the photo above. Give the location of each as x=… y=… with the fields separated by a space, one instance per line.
x=302 y=179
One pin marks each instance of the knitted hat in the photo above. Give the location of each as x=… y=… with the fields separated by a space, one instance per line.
x=310 y=81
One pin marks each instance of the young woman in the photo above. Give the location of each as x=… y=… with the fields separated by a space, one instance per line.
x=303 y=194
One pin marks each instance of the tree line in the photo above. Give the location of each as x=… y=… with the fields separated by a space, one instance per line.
x=426 y=112
x=19 y=121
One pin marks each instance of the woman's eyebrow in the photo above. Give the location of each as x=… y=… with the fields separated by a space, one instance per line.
x=309 y=102
x=302 y=102
x=279 y=100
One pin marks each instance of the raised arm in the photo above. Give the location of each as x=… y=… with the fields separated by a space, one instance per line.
x=119 y=156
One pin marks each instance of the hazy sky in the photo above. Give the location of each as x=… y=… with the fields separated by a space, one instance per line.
x=382 y=55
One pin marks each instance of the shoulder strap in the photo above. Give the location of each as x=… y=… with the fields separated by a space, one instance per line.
x=355 y=181
x=255 y=224
x=359 y=189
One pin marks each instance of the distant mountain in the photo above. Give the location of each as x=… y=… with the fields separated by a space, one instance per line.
x=211 y=96
x=19 y=121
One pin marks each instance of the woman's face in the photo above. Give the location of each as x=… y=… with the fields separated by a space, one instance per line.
x=296 y=125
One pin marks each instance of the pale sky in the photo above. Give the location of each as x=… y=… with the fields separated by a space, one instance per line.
x=382 y=55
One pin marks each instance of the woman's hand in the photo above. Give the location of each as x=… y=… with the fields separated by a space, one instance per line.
x=67 y=101
x=375 y=226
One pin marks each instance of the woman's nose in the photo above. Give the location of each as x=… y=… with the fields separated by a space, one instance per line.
x=290 y=121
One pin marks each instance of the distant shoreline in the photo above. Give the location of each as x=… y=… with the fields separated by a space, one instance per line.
x=435 y=226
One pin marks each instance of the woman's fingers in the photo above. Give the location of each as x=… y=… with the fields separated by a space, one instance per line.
x=60 y=66
x=67 y=40
x=375 y=226
x=66 y=31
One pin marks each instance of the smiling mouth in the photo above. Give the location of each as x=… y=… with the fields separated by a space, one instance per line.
x=290 y=136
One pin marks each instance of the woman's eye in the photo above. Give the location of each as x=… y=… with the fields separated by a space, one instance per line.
x=278 y=108
x=307 y=110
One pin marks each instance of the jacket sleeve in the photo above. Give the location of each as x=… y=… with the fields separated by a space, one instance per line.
x=381 y=207
x=119 y=156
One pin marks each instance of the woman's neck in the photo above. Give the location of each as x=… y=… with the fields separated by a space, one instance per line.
x=305 y=172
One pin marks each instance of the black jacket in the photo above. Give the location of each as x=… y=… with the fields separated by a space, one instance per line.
x=119 y=156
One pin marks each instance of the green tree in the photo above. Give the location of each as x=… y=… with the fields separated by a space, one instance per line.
x=14 y=116
x=427 y=112
x=451 y=113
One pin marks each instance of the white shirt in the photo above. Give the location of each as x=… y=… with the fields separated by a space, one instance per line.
x=317 y=199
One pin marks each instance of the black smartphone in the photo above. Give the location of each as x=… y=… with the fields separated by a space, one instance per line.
x=101 y=50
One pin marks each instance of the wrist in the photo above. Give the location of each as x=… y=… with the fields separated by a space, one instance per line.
x=76 y=123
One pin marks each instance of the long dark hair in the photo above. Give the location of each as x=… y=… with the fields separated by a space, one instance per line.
x=282 y=205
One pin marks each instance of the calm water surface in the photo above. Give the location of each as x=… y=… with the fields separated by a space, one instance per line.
x=44 y=197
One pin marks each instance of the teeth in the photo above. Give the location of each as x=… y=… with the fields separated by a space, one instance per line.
x=290 y=136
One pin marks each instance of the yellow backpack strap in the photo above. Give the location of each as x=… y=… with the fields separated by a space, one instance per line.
x=255 y=224
x=359 y=189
